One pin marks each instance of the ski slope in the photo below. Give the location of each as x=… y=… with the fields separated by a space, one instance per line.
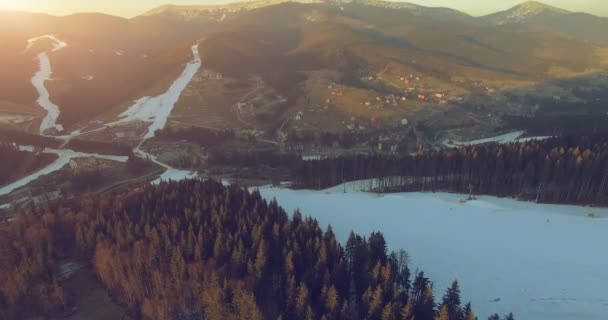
x=541 y=262
x=156 y=110
x=43 y=75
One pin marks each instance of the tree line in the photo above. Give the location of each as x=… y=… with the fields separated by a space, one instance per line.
x=571 y=169
x=199 y=250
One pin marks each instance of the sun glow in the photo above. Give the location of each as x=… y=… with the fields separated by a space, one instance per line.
x=9 y=4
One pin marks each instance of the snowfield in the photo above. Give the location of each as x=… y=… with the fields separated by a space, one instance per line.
x=541 y=262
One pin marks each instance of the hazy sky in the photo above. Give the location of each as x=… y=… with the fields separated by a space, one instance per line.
x=130 y=8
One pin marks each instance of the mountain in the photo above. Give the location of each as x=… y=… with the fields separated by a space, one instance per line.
x=108 y=61
x=538 y=16
x=361 y=39
x=219 y=13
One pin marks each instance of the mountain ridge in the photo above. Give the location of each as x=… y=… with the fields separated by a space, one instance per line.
x=523 y=6
x=539 y=16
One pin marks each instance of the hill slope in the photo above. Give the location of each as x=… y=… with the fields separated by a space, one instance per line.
x=542 y=17
x=363 y=38
x=100 y=68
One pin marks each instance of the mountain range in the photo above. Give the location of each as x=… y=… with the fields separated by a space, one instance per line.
x=111 y=61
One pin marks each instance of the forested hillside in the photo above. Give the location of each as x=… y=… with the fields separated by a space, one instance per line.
x=559 y=170
x=199 y=250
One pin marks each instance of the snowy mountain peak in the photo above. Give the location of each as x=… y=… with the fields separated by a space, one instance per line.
x=526 y=10
x=535 y=7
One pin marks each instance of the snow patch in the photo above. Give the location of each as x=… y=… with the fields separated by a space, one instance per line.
x=119 y=53
x=541 y=262
x=57 y=44
x=175 y=175
x=502 y=139
x=88 y=77
x=69 y=269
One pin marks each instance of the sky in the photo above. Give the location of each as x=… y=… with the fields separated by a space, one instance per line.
x=130 y=8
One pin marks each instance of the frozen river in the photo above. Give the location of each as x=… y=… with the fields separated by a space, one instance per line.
x=541 y=262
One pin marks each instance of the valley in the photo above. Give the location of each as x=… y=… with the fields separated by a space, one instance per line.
x=364 y=115
x=338 y=80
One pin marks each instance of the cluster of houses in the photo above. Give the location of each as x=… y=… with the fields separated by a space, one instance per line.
x=245 y=109
x=211 y=75
x=393 y=99
x=35 y=195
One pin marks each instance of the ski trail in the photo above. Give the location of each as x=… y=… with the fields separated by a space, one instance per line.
x=155 y=110
x=38 y=80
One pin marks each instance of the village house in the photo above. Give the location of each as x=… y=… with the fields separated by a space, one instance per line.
x=215 y=76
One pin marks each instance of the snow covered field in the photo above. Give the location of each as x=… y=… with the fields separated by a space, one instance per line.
x=502 y=139
x=44 y=74
x=541 y=262
x=175 y=175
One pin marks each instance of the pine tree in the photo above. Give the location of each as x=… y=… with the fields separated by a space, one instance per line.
x=407 y=311
x=247 y=308
x=260 y=260
x=451 y=300
x=443 y=313
x=332 y=300
x=375 y=303
x=468 y=312
x=387 y=312
x=302 y=299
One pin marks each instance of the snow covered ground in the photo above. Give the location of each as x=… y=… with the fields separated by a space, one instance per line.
x=156 y=110
x=175 y=175
x=502 y=139
x=542 y=262
x=44 y=74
